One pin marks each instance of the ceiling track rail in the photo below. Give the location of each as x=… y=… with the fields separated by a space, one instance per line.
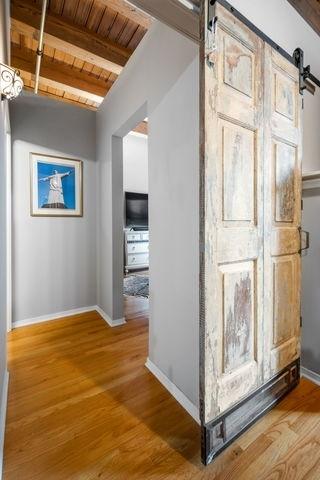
x=307 y=81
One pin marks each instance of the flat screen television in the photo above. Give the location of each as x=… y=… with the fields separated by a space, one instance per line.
x=136 y=210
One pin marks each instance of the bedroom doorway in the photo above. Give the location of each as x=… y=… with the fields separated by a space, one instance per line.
x=136 y=221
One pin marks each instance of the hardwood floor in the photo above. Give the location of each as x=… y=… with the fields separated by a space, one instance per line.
x=83 y=406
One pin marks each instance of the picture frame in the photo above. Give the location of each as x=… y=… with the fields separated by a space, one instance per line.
x=56 y=186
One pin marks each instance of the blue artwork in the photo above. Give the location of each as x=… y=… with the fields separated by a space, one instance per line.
x=56 y=186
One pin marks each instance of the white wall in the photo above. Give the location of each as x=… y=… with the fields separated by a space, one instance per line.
x=54 y=259
x=135 y=163
x=4 y=56
x=161 y=82
x=285 y=26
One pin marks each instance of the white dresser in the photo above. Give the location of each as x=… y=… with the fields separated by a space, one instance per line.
x=136 y=249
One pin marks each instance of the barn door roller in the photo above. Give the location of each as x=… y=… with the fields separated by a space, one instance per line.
x=307 y=80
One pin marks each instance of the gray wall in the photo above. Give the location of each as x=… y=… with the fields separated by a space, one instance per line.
x=3 y=248
x=311 y=283
x=4 y=126
x=161 y=82
x=54 y=259
x=174 y=225
x=284 y=25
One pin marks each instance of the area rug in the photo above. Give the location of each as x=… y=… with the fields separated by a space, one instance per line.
x=136 y=286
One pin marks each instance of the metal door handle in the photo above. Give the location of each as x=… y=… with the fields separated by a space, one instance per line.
x=305 y=239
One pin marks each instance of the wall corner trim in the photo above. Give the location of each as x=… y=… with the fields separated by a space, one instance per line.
x=106 y=318
x=3 y=415
x=52 y=316
x=174 y=390
x=310 y=375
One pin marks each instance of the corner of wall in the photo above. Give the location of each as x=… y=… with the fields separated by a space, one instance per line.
x=3 y=411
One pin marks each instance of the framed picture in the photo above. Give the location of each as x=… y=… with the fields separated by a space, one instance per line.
x=56 y=186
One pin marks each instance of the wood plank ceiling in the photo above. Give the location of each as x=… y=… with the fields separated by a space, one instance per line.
x=86 y=45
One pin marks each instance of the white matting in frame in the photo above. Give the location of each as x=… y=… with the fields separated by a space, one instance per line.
x=56 y=186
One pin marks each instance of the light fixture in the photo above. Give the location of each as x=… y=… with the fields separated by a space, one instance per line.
x=10 y=82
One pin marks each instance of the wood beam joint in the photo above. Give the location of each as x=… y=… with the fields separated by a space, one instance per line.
x=65 y=77
x=73 y=39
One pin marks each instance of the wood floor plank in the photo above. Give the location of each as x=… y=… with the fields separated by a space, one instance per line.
x=300 y=461
x=82 y=406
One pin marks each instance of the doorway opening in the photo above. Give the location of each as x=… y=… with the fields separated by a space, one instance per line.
x=136 y=221
x=130 y=175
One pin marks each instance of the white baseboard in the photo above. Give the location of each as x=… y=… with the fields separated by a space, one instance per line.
x=69 y=313
x=110 y=322
x=174 y=390
x=310 y=375
x=3 y=414
x=52 y=316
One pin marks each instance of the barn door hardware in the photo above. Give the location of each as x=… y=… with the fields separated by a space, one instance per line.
x=212 y=19
x=304 y=240
x=307 y=80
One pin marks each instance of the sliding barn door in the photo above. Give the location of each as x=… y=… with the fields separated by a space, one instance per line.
x=250 y=219
x=282 y=218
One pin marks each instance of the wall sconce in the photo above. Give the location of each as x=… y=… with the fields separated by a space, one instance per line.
x=10 y=82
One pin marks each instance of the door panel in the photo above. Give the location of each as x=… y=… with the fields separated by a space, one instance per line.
x=233 y=230
x=282 y=213
x=238 y=65
x=238 y=168
x=249 y=228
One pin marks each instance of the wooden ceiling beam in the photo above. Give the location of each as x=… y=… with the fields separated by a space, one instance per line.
x=128 y=11
x=310 y=11
x=73 y=39
x=61 y=99
x=66 y=88
x=174 y=14
x=61 y=76
x=61 y=45
x=142 y=128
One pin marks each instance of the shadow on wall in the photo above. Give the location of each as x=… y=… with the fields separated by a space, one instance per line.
x=311 y=282
x=55 y=125
x=310 y=361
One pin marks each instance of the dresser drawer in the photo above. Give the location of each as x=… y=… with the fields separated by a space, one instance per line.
x=139 y=247
x=133 y=237
x=138 y=259
x=145 y=237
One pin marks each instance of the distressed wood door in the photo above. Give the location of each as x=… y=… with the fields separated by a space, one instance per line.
x=249 y=228
x=282 y=213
